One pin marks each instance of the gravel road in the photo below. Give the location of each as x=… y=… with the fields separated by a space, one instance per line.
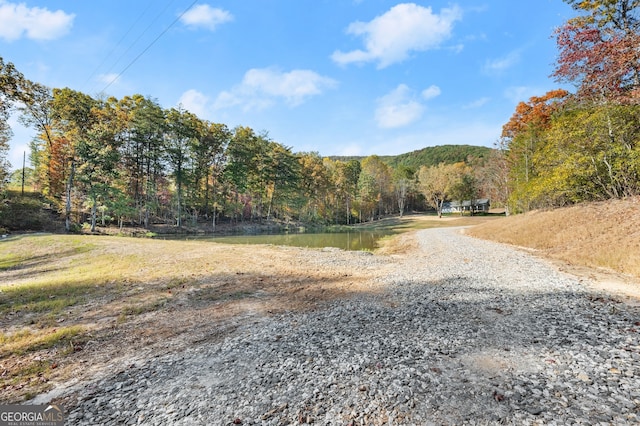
x=464 y=331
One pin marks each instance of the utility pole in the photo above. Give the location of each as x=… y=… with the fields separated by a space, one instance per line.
x=24 y=163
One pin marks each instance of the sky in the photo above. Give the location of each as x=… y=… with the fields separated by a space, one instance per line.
x=337 y=77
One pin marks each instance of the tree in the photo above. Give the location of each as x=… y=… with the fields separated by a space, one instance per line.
x=315 y=186
x=182 y=129
x=242 y=153
x=463 y=185
x=585 y=161
x=494 y=177
x=435 y=184
x=283 y=177
x=368 y=195
x=98 y=156
x=31 y=99
x=209 y=151
x=72 y=116
x=10 y=81
x=7 y=83
x=5 y=166
x=402 y=180
x=523 y=134
x=142 y=153
x=380 y=174
x=345 y=176
x=598 y=51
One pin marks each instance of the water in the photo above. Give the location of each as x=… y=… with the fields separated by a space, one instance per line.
x=353 y=240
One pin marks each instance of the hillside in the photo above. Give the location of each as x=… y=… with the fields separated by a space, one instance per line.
x=596 y=235
x=429 y=156
x=28 y=212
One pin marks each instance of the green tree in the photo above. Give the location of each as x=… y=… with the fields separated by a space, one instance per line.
x=494 y=178
x=403 y=182
x=585 y=161
x=72 y=117
x=143 y=153
x=9 y=82
x=435 y=184
x=315 y=187
x=463 y=185
x=98 y=156
x=368 y=196
x=380 y=173
x=524 y=135
x=345 y=177
x=182 y=131
x=283 y=178
x=210 y=155
x=5 y=137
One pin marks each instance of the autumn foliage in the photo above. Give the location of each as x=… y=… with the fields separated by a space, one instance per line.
x=563 y=148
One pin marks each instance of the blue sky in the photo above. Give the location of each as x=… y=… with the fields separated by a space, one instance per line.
x=339 y=77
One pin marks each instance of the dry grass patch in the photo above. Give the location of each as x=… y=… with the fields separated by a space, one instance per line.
x=601 y=235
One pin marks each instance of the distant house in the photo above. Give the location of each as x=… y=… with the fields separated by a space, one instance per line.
x=481 y=205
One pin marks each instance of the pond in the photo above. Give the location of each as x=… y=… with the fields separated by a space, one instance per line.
x=352 y=240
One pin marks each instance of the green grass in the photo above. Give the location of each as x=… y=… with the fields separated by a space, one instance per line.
x=10 y=260
x=26 y=340
x=38 y=298
x=46 y=274
x=32 y=373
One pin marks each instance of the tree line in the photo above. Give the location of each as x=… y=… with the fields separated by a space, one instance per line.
x=130 y=160
x=562 y=148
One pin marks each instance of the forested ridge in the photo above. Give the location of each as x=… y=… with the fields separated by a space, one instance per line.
x=129 y=160
x=430 y=156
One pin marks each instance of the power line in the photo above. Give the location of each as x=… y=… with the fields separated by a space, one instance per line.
x=133 y=25
x=149 y=46
x=138 y=38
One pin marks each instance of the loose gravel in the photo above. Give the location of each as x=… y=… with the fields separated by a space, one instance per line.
x=465 y=331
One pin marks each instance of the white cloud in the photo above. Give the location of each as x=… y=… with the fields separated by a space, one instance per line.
x=457 y=48
x=398 y=108
x=497 y=66
x=517 y=94
x=431 y=92
x=405 y=28
x=109 y=78
x=205 y=16
x=17 y=20
x=261 y=87
x=194 y=102
x=477 y=103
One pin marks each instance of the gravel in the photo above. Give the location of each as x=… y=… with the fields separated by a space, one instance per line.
x=465 y=331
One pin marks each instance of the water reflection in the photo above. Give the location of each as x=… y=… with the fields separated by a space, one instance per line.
x=360 y=240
